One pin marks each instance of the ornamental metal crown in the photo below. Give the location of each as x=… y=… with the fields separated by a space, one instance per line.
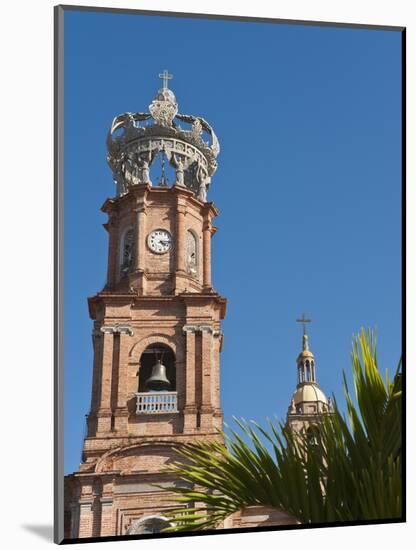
x=136 y=139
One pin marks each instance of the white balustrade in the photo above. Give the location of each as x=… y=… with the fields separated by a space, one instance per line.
x=159 y=402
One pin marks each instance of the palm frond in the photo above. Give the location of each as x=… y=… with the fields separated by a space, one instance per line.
x=354 y=474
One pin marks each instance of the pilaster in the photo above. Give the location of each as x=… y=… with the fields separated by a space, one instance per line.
x=190 y=410
x=75 y=519
x=206 y=409
x=206 y=243
x=180 y=236
x=137 y=278
x=86 y=518
x=121 y=412
x=104 y=408
x=113 y=237
x=97 y=336
x=104 y=413
x=86 y=510
x=106 y=501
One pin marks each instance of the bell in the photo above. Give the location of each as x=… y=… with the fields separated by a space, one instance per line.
x=158 y=380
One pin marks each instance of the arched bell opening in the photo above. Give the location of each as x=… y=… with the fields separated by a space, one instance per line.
x=306 y=371
x=157 y=369
x=313 y=436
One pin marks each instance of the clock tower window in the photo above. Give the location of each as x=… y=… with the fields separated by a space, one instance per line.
x=126 y=252
x=191 y=254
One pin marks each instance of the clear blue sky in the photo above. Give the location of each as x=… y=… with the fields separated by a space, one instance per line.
x=308 y=188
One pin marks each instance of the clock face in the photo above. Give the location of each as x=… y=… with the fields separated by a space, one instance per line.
x=159 y=241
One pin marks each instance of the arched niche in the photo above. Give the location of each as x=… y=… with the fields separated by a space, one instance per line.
x=313 y=435
x=157 y=337
x=192 y=263
x=148 y=525
x=149 y=357
x=126 y=252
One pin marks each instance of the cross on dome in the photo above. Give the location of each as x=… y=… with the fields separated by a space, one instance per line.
x=303 y=320
x=165 y=76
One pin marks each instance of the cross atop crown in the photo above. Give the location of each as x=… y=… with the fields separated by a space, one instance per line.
x=304 y=321
x=165 y=76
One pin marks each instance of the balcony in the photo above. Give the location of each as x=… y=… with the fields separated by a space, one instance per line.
x=159 y=402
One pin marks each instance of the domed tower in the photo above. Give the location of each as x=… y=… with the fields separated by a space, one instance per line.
x=157 y=322
x=309 y=402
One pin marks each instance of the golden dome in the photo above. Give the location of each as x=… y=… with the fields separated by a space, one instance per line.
x=309 y=392
x=305 y=353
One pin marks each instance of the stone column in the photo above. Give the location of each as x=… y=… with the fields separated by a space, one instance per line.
x=190 y=406
x=97 y=336
x=98 y=348
x=206 y=353
x=104 y=409
x=180 y=366
x=206 y=240
x=181 y=238
x=215 y=382
x=140 y=236
x=113 y=246
x=136 y=276
x=215 y=373
x=121 y=412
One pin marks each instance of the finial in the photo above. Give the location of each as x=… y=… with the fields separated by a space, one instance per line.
x=165 y=76
x=304 y=321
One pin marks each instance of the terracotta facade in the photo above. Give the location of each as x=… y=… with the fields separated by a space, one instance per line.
x=156 y=303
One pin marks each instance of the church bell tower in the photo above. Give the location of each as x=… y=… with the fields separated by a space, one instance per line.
x=309 y=403
x=156 y=323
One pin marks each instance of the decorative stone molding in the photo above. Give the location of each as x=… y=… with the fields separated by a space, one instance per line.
x=136 y=139
x=202 y=328
x=117 y=329
x=190 y=328
x=124 y=329
x=107 y=330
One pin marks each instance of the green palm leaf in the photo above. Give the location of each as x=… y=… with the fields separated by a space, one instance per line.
x=354 y=474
